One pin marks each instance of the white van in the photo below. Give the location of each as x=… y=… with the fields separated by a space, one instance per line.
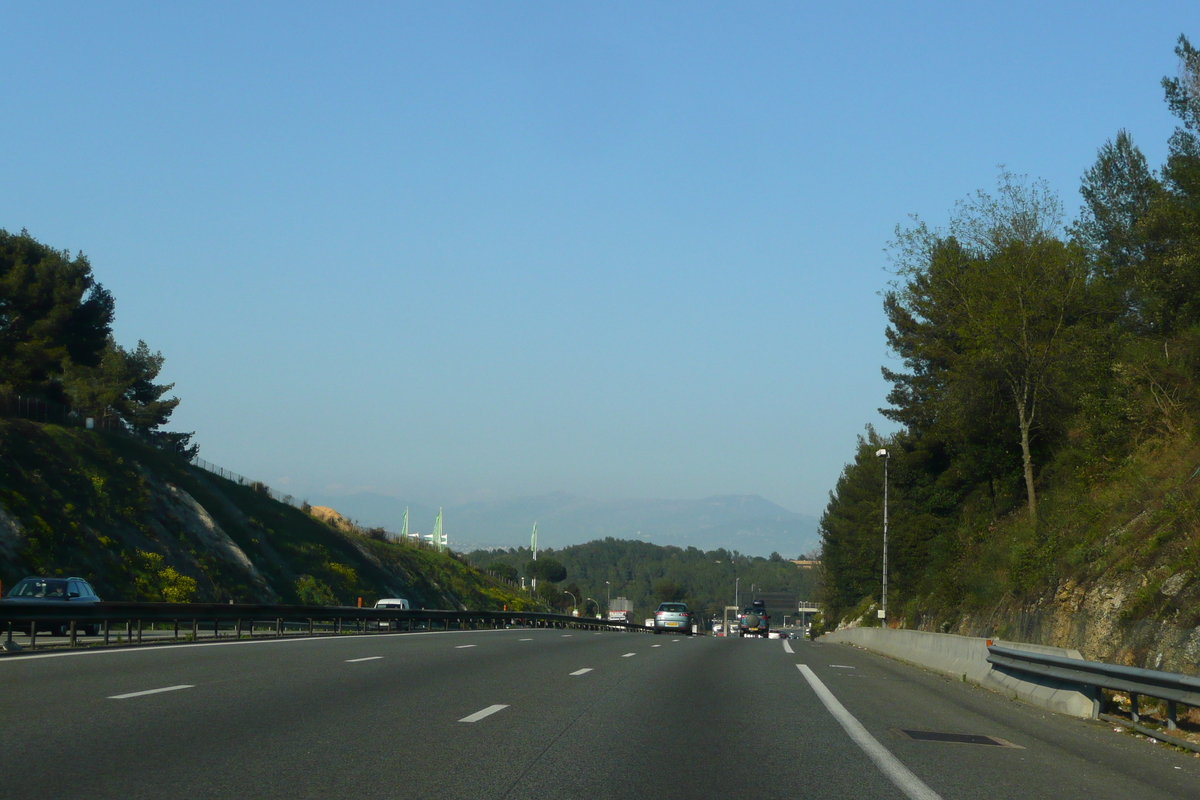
x=395 y=604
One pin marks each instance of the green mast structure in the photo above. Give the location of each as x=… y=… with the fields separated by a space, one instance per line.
x=439 y=539
x=533 y=542
x=404 y=530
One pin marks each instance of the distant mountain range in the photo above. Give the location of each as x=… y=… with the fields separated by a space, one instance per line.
x=747 y=523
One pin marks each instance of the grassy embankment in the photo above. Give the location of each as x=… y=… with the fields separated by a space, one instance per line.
x=108 y=508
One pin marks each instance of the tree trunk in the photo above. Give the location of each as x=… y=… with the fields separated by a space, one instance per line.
x=1025 y=419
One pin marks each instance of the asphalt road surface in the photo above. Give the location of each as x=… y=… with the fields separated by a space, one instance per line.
x=542 y=714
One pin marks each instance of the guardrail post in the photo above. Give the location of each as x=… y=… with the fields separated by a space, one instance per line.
x=10 y=631
x=337 y=625
x=106 y=626
x=177 y=630
x=72 y=633
x=216 y=629
x=1171 y=718
x=278 y=626
x=128 y=631
x=238 y=630
x=310 y=627
x=195 y=629
x=33 y=635
x=139 y=631
x=1133 y=708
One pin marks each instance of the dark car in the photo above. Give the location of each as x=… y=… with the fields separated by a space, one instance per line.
x=755 y=621
x=65 y=591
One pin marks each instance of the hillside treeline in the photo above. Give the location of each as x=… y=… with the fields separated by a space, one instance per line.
x=56 y=345
x=648 y=574
x=1051 y=368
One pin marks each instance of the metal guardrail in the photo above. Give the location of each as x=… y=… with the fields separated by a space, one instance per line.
x=1169 y=686
x=310 y=620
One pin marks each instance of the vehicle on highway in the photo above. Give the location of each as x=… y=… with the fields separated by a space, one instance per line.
x=755 y=621
x=64 y=591
x=395 y=603
x=777 y=634
x=673 y=617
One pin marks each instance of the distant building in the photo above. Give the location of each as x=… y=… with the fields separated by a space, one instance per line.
x=807 y=564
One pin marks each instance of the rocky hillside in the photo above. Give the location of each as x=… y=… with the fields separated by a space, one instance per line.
x=140 y=524
x=1114 y=570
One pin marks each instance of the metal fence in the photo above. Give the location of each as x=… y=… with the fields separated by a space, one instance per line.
x=190 y=620
x=1169 y=686
x=47 y=411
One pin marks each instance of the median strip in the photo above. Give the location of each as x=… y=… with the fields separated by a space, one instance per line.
x=486 y=712
x=888 y=764
x=582 y=671
x=151 y=691
x=368 y=658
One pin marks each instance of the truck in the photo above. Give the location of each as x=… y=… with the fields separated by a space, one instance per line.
x=620 y=609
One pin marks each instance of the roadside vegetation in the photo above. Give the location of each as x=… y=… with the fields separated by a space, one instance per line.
x=1048 y=398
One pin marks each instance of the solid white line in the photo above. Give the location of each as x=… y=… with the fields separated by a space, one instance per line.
x=896 y=772
x=151 y=691
x=582 y=671
x=841 y=666
x=787 y=648
x=464 y=646
x=487 y=712
x=368 y=658
x=627 y=655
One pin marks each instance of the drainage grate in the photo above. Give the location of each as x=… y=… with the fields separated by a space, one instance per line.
x=952 y=738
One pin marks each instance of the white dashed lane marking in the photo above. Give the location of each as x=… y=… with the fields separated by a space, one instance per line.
x=368 y=658
x=486 y=712
x=464 y=646
x=787 y=648
x=628 y=655
x=583 y=671
x=151 y=691
x=656 y=645
x=841 y=666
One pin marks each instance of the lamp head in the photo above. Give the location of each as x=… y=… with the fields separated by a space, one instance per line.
x=881 y=453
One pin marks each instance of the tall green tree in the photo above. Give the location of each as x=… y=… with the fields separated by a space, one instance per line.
x=993 y=308
x=52 y=312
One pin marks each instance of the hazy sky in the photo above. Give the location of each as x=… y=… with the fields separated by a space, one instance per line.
x=447 y=250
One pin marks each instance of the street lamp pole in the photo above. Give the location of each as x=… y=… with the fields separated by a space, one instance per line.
x=609 y=585
x=594 y=601
x=574 y=602
x=736 y=595
x=886 y=456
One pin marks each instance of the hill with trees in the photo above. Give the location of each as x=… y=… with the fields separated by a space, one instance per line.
x=90 y=484
x=648 y=574
x=1043 y=479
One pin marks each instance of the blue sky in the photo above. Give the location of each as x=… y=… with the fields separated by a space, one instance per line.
x=471 y=250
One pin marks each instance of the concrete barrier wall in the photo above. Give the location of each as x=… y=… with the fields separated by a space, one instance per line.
x=965 y=658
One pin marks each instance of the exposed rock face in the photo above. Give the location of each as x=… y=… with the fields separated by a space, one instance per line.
x=12 y=535
x=1091 y=618
x=200 y=525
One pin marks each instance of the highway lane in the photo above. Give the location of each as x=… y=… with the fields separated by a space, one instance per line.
x=555 y=714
